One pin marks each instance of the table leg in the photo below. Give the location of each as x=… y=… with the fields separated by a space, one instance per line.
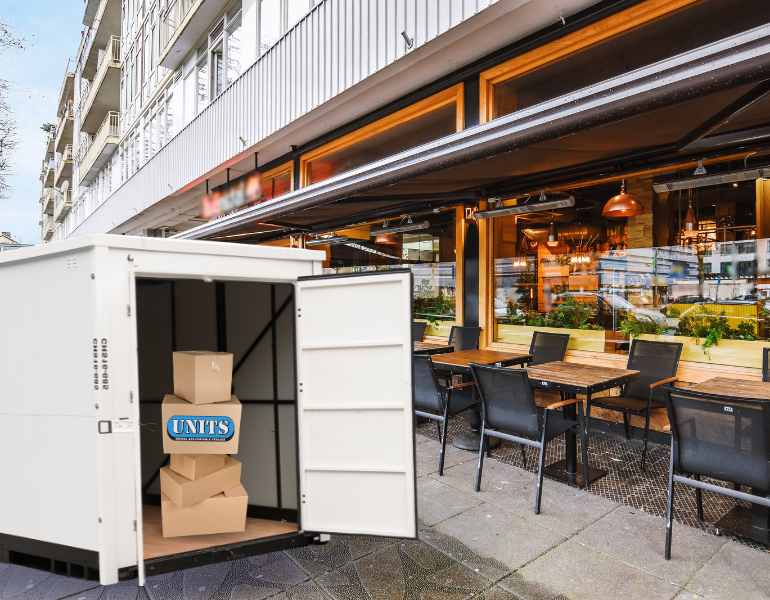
x=753 y=523
x=569 y=470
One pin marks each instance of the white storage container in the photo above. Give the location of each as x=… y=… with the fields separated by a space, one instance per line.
x=322 y=366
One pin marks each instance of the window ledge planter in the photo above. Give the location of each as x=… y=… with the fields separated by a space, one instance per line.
x=579 y=339
x=438 y=328
x=736 y=353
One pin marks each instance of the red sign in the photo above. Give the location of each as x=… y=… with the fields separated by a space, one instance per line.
x=223 y=201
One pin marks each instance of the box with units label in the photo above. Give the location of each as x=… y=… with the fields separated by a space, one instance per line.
x=200 y=429
x=185 y=492
x=203 y=377
x=223 y=513
x=195 y=466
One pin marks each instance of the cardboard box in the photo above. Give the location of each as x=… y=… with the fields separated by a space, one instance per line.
x=195 y=466
x=223 y=513
x=200 y=429
x=185 y=492
x=203 y=377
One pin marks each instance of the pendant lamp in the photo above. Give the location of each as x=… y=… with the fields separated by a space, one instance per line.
x=623 y=205
x=553 y=238
x=387 y=238
x=690 y=223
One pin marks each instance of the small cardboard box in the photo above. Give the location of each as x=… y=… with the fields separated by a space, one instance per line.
x=184 y=492
x=195 y=466
x=203 y=377
x=223 y=513
x=204 y=429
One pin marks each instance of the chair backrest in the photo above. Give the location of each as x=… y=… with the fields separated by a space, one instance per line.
x=765 y=366
x=464 y=338
x=548 y=347
x=655 y=361
x=427 y=391
x=721 y=437
x=507 y=401
x=418 y=330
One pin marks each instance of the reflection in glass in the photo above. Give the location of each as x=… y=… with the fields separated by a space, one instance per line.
x=234 y=45
x=269 y=24
x=217 y=63
x=203 y=84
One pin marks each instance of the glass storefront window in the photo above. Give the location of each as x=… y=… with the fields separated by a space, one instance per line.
x=430 y=254
x=430 y=119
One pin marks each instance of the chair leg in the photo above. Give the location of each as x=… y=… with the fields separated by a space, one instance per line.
x=670 y=509
x=583 y=446
x=523 y=456
x=438 y=426
x=646 y=435
x=541 y=465
x=698 y=499
x=626 y=426
x=443 y=438
x=481 y=458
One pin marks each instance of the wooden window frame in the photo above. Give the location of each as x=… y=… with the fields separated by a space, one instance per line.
x=287 y=167
x=599 y=32
x=454 y=94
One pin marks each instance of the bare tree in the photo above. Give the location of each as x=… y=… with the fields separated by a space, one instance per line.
x=9 y=138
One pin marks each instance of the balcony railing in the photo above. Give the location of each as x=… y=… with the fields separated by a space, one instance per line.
x=104 y=142
x=174 y=17
x=47 y=228
x=47 y=172
x=69 y=80
x=107 y=83
x=47 y=200
x=65 y=125
x=63 y=205
x=63 y=165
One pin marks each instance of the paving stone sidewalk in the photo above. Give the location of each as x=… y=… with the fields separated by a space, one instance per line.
x=488 y=545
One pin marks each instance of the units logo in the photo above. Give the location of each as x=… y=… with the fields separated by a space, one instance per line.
x=200 y=429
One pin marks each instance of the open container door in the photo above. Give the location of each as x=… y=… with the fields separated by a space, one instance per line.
x=355 y=404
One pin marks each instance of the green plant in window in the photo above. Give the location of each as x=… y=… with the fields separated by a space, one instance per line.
x=704 y=322
x=635 y=326
x=520 y=315
x=573 y=314
x=744 y=331
x=673 y=312
x=526 y=284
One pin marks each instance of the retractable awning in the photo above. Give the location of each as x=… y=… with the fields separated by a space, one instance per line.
x=730 y=63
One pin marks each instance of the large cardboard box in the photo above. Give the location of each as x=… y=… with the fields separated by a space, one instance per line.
x=223 y=513
x=184 y=492
x=203 y=377
x=200 y=429
x=195 y=466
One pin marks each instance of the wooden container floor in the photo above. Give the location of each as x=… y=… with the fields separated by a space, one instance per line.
x=155 y=545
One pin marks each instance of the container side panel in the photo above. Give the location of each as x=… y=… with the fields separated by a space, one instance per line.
x=49 y=486
x=287 y=423
x=46 y=362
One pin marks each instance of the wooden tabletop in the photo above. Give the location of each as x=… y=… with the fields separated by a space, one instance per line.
x=578 y=378
x=736 y=388
x=431 y=346
x=458 y=361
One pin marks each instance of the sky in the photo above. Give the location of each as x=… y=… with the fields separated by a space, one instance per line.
x=52 y=30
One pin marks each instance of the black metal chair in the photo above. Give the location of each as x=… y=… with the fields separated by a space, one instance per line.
x=464 y=338
x=508 y=405
x=418 y=330
x=548 y=347
x=434 y=401
x=720 y=437
x=657 y=363
x=765 y=367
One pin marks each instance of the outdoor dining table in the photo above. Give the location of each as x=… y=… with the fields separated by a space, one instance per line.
x=576 y=378
x=424 y=348
x=459 y=363
x=751 y=522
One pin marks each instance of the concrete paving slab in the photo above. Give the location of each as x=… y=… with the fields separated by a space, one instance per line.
x=421 y=439
x=523 y=589
x=55 y=587
x=495 y=593
x=579 y=572
x=411 y=569
x=427 y=457
x=437 y=502
x=487 y=567
x=339 y=551
x=638 y=539
x=496 y=477
x=306 y=591
x=490 y=532
x=688 y=595
x=736 y=571
x=19 y=580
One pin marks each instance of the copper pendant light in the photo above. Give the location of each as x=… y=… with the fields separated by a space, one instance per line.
x=623 y=205
x=387 y=238
x=553 y=237
x=690 y=223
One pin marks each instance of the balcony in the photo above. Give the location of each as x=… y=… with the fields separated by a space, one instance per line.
x=67 y=85
x=63 y=167
x=47 y=200
x=104 y=94
x=64 y=129
x=46 y=173
x=104 y=144
x=50 y=143
x=105 y=24
x=184 y=25
x=47 y=228
x=63 y=205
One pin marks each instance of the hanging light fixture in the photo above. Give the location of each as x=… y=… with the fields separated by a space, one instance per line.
x=553 y=237
x=387 y=238
x=623 y=205
x=690 y=223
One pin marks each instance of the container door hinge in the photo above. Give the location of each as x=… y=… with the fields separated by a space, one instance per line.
x=130 y=396
x=134 y=524
x=128 y=309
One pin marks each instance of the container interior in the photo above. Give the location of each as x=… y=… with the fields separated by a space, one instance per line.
x=254 y=321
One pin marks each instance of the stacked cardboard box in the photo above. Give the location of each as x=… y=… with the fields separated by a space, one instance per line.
x=201 y=489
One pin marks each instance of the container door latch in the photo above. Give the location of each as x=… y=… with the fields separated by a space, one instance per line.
x=116 y=426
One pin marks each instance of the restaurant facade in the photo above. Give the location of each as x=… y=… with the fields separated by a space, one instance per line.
x=599 y=169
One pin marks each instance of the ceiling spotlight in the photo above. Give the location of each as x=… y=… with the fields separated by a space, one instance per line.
x=700 y=169
x=542 y=196
x=408 y=226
